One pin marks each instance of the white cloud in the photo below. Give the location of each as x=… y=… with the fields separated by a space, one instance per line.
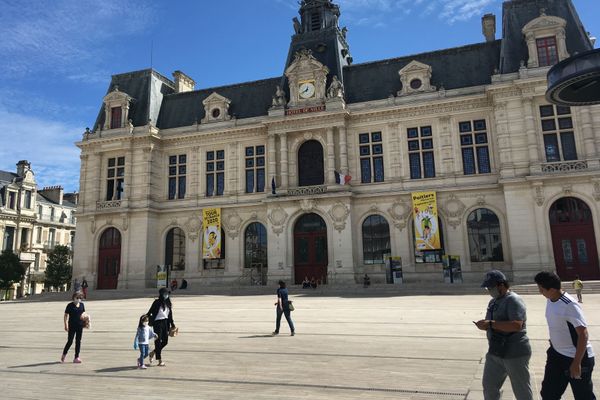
x=47 y=144
x=462 y=10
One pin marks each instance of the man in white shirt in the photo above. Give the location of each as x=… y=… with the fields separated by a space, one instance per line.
x=570 y=358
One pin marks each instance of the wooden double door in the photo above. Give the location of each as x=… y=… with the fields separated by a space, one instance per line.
x=310 y=249
x=109 y=259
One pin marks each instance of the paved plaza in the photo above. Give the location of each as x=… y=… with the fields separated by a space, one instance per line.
x=413 y=347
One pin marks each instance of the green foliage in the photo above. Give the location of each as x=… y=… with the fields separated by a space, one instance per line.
x=11 y=269
x=58 y=268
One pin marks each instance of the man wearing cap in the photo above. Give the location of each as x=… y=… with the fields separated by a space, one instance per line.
x=509 y=350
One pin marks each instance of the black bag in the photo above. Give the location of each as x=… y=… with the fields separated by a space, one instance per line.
x=498 y=344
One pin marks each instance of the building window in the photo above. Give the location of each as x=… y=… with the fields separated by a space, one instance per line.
x=215 y=173
x=8 y=241
x=177 y=176
x=483 y=230
x=51 y=213
x=40 y=212
x=420 y=152
x=547 y=51
x=430 y=256
x=115 y=117
x=255 y=169
x=12 y=200
x=474 y=147
x=371 y=157
x=376 y=239
x=255 y=247
x=38 y=238
x=52 y=238
x=559 y=138
x=315 y=21
x=175 y=250
x=27 y=204
x=116 y=178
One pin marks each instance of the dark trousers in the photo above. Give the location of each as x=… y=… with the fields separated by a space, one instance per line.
x=557 y=377
x=161 y=328
x=76 y=333
x=288 y=317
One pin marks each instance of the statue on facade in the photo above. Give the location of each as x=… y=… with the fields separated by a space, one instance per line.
x=297 y=26
x=336 y=89
x=279 y=97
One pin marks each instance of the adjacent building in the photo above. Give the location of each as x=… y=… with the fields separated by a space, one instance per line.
x=517 y=179
x=33 y=221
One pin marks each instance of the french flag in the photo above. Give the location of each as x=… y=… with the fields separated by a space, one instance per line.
x=342 y=179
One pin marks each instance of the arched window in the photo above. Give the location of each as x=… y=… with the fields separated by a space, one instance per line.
x=310 y=164
x=175 y=249
x=485 y=240
x=255 y=246
x=376 y=239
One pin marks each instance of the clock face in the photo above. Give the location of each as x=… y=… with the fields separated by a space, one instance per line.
x=306 y=90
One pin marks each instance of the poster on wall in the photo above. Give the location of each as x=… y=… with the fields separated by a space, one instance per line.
x=161 y=276
x=425 y=216
x=394 y=268
x=452 y=269
x=211 y=237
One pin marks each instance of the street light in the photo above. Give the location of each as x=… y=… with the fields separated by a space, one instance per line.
x=575 y=81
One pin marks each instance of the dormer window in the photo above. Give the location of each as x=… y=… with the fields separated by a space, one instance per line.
x=547 y=51
x=115 y=117
x=216 y=108
x=415 y=78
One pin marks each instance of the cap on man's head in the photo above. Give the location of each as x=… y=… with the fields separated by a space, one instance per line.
x=493 y=278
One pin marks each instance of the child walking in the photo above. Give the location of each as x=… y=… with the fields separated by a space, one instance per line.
x=142 y=340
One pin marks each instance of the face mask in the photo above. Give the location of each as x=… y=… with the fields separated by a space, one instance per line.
x=165 y=296
x=494 y=292
x=77 y=301
x=145 y=324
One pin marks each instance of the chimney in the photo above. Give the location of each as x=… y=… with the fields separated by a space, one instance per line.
x=488 y=27
x=72 y=197
x=53 y=193
x=22 y=167
x=183 y=83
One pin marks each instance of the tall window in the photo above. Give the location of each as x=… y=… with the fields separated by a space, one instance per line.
x=376 y=239
x=315 y=21
x=116 y=178
x=420 y=152
x=255 y=246
x=27 y=204
x=483 y=230
x=12 y=200
x=115 y=117
x=8 y=241
x=215 y=173
x=177 y=175
x=371 y=157
x=474 y=147
x=175 y=250
x=559 y=138
x=38 y=238
x=255 y=169
x=547 y=51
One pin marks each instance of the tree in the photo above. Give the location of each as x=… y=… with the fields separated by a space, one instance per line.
x=11 y=270
x=59 y=269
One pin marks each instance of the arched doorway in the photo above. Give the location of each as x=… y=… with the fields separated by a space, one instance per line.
x=310 y=164
x=175 y=250
x=573 y=239
x=310 y=248
x=109 y=259
x=255 y=252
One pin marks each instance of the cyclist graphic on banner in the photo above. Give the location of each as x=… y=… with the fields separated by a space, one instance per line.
x=425 y=215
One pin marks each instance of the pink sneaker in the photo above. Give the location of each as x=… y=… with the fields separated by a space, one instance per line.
x=143 y=366
x=62 y=358
x=77 y=360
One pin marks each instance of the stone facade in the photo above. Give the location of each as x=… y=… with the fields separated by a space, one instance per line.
x=520 y=187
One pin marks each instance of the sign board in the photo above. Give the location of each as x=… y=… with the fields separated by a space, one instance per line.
x=211 y=237
x=425 y=217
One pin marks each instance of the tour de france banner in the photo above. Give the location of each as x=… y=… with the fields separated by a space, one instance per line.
x=211 y=228
x=427 y=230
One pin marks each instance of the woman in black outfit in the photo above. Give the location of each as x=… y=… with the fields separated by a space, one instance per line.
x=161 y=319
x=283 y=308
x=74 y=326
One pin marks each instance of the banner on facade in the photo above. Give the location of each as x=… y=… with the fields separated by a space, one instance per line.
x=211 y=237
x=161 y=276
x=425 y=216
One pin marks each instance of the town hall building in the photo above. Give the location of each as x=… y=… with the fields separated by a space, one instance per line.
x=517 y=179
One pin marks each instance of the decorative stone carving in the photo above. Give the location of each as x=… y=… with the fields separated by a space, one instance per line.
x=596 y=193
x=454 y=209
x=253 y=216
x=216 y=108
x=336 y=89
x=540 y=198
x=541 y=27
x=400 y=212
x=307 y=190
x=112 y=100
x=279 y=98
x=93 y=225
x=277 y=217
x=125 y=222
x=416 y=78
x=567 y=189
x=193 y=226
x=308 y=205
x=481 y=200
x=308 y=73
x=232 y=222
x=339 y=213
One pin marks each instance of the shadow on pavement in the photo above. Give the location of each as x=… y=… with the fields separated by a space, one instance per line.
x=255 y=336
x=115 y=369
x=35 y=365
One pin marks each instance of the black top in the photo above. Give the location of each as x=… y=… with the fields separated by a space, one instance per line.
x=153 y=312
x=282 y=293
x=75 y=315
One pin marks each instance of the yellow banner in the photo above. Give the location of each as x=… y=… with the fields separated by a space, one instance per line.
x=211 y=237
x=425 y=215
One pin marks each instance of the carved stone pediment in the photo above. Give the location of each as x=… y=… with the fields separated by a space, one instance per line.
x=545 y=26
x=307 y=78
x=415 y=78
x=216 y=108
x=544 y=22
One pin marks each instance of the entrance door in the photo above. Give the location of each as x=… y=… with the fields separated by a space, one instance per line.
x=310 y=249
x=109 y=259
x=573 y=239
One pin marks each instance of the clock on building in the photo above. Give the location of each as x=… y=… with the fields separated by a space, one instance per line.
x=306 y=89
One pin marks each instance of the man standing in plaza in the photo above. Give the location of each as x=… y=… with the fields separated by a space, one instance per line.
x=570 y=358
x=509 y=350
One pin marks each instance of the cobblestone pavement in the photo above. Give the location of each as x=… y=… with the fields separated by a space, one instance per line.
x=421 y=347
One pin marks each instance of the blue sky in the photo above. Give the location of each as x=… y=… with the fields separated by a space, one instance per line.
x=56 y=57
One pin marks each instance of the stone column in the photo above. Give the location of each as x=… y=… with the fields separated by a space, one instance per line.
x=272 y=152
x=343 y=149
x=589 y=146
x=393 y=136
x=231 y=169
x=330 y=178
x=284 y=161
x=95 y=176
x=530 y=131
x=193 y=180
x=532 y=50
x=503 y=134
x=449 y=164
x=595 y=115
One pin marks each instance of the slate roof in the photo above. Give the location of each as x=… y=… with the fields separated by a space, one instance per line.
x=40 y=198
x=517 y=13
x=7 y=177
